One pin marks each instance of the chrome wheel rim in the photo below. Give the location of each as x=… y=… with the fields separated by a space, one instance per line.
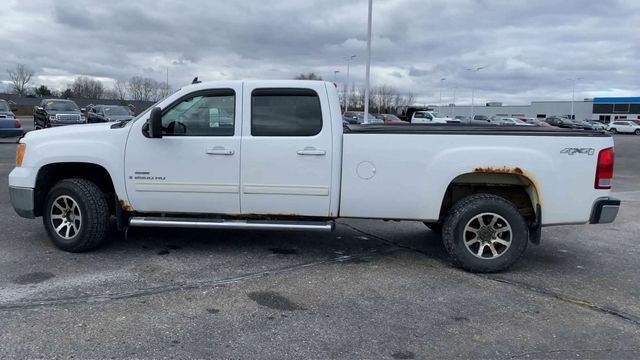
x=487 y=236
x=66 y=217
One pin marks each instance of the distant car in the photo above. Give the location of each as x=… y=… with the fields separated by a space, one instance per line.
x=392 y=119
x=10 y=126
x=357 y=117
x=626 y=126
x=512 y=121
x=561 y=122
x=597 y=125
x=584 y=125
x=57 y=112
x=108 y=113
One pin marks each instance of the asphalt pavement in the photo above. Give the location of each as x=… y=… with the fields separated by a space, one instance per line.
x=371 y=289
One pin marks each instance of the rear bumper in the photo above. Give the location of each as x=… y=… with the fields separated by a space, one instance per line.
x=22 y=200
x=11 y=132
x=604 y=211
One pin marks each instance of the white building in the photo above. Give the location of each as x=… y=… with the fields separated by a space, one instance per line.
x=602 y=109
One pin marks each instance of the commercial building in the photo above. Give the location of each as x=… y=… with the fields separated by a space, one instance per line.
x=602 y=109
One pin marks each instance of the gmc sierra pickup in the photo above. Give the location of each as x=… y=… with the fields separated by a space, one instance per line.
x=275 y=155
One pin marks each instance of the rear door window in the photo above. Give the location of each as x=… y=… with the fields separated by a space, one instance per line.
x=285 y=112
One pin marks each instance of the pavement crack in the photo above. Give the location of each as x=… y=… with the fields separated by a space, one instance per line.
x=568 y=299
x=541 y=291
x=85 y=299
x=573 y=351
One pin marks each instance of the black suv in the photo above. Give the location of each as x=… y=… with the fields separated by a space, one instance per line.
x=562 y=122
x=57 y=112
x=108 y=113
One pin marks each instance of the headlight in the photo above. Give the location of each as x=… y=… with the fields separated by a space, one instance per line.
x=20 y=154
x=52 y=117
x=82 y=118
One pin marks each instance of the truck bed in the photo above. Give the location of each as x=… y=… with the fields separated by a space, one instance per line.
x=403 y=171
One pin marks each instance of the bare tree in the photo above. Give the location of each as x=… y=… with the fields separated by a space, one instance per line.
x=86 y=87
x=20 y=77
x=120 y=90
x=309 y=76
x=146 y=89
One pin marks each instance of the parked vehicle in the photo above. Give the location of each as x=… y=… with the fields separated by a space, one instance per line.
x=108 y=113
x=57 y=112
x=628 y=127
x=477 y=120
x=357 y=117
x=561 y=122
x=510 y=121
x=391 y=119
x=597 y=125
x=353 y=117
x=482 y=118
x=584 y=125
x=432 y=117
x=287 y=163
x=10 y=126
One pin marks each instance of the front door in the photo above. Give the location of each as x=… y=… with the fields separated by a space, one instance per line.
x=286 y=151
x=195 y=166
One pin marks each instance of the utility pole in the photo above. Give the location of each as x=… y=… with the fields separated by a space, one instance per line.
x=346 y=86
x=366 y=90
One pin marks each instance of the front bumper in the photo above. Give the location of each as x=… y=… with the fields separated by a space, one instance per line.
x=22 y=200
x=604 y=211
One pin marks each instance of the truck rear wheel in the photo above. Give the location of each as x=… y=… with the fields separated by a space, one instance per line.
x=484 y=233
x=76 y=215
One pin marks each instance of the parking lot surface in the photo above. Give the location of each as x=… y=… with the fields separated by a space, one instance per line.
x=371 y=289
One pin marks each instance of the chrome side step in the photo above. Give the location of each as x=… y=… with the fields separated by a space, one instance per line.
x=231 y=224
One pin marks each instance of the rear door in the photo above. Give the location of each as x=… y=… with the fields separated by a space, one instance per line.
x=286 y=151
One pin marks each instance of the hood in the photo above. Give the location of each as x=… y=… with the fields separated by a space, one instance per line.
x=118 y=117
x=79 y=131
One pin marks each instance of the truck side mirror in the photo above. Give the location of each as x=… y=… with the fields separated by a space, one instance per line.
x=155 y=123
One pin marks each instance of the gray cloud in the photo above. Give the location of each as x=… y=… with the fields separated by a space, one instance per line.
x=531 y=48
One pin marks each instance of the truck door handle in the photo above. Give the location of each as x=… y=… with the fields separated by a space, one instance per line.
x=219 y=150
x=312 y=151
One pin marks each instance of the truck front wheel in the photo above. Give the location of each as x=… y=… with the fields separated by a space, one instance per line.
x=484 y=233
x=76 y=215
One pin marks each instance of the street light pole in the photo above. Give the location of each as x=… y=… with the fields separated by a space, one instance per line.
x=346 y=86
x=440 y=103
x=573 y=93
x=475 y=70
x=366 y=90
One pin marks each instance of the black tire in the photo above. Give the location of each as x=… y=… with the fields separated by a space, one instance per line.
x=94 y=223
x=463 y=213
x=637 y=132
x=436 y=227
x=613 y=131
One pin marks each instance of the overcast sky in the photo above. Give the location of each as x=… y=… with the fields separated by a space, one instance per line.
x=531 y=48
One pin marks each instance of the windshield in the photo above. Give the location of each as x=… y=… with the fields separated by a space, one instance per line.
x=437 y=114
x=61 y=106
x=116 y=110
x=391 y=117
x=4 y=106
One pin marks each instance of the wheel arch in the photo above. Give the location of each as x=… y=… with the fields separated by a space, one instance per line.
x=50 y=174
x=513 y=184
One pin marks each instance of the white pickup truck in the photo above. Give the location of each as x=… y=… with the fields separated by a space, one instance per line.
x=275 y=155
x=432 y=117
